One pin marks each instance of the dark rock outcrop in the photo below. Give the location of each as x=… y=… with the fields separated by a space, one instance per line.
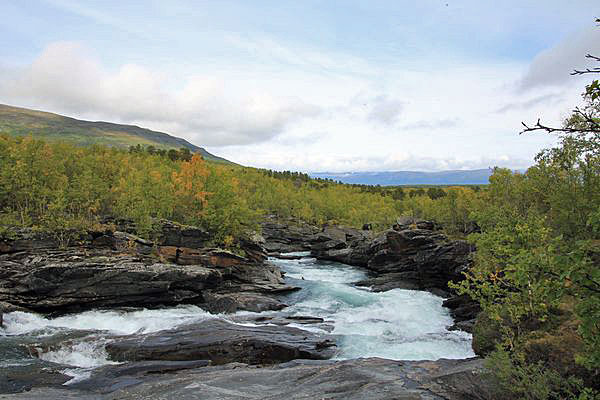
x=342 y=244
x=114 y=269
x=464 y=310
x=405 y=222
x=20 y=378
x=287 y=235
x=417 y=259
x=411 y=255
x=26 y=240
x=113 y=378
x=222 y=342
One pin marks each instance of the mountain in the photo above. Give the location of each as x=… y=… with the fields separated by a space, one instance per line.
x=17 y=121
x=390 y=178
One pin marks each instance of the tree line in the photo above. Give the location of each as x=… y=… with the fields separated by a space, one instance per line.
x=60 y=186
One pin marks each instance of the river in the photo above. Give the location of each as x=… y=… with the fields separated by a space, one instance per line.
x=397 y=324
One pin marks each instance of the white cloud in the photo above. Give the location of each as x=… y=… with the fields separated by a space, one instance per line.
x=397 y=161
x=303 y=110
x=544 y=99
x=433 y=123
x=208 y=110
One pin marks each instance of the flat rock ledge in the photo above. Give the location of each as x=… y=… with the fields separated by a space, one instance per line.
x=222 y=342
x=360 y=379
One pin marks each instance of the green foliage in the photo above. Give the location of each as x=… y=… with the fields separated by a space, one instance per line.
x=435 y=193
x=536 y=272
x=64 y=188
x=519 y=379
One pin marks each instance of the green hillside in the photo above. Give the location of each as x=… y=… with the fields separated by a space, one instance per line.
x=17 y=121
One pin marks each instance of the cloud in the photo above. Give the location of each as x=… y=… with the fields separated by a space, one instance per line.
x=331 y=162
x=444 y=123
x=545 y=99
x=552 y=67
x=373 y=106
x=207 y=110
x=385 y=110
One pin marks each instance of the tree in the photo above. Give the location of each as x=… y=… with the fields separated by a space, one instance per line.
x=435 y=193
x=536 y=273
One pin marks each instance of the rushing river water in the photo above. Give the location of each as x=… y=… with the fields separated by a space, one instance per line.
x=397 y=324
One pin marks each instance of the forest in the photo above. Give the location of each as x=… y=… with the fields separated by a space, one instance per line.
x=61 y=187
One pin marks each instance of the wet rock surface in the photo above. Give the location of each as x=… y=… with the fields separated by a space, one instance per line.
x=20 y=378
x=365 y=379
x=222 y=342
x=464 y=311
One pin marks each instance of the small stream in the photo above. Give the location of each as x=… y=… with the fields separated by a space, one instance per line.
x=397 y=324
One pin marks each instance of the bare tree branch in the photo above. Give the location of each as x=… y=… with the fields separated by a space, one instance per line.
x=588 y=70
x=594 y=128
x=590 y=123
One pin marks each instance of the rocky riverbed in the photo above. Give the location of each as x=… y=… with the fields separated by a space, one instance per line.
x=115 y=316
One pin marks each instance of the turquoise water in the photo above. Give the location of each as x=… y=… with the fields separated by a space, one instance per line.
x=397 y=324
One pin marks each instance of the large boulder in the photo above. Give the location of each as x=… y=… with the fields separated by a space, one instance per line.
x=342 y=244
x=222 y=342
x=24 y=239
x=37 y=373
x=464 y=310
x=407 y=222
x=172 y=234
x=73 y=281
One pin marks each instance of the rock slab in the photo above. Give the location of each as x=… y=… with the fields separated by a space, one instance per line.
x=222 y=342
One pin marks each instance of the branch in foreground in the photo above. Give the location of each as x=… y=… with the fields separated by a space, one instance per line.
x=595 y=128
x=588 y=70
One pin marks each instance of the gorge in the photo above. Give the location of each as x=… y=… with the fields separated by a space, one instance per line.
x=114 y=316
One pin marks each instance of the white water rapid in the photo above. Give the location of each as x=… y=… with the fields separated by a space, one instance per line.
x=397 y=324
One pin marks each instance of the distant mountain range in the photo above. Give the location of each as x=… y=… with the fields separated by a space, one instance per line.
x=16 y=121
x=391 y=178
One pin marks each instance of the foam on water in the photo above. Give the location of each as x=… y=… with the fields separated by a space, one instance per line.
x=323 y=271
x=84 y=354
x=397 y=324
x=87 y=350
x=117 y=322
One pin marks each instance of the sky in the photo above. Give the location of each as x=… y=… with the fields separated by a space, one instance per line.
x=310 y=85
